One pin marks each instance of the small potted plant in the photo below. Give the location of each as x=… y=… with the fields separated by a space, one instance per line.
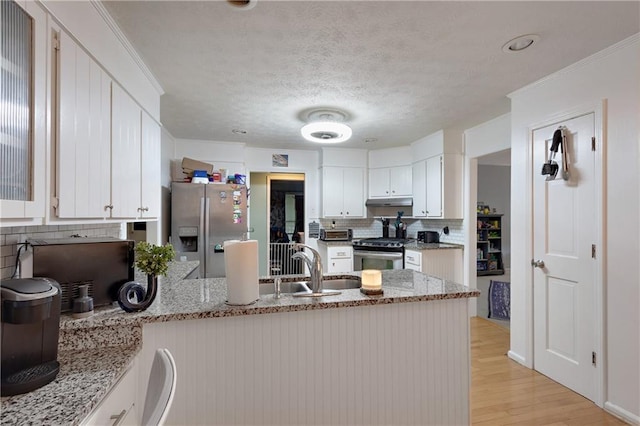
x=153 y=260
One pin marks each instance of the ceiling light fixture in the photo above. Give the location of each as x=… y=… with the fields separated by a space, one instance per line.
x=521 y=43
x=326 y=127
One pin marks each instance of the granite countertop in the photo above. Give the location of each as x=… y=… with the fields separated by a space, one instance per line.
x=84 y=379
x=95 y=352
x=415 y=245
x=185 y=299
x=335 y=243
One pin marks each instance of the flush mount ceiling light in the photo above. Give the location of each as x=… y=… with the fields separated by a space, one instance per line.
x=325 y=126
x=518 y=44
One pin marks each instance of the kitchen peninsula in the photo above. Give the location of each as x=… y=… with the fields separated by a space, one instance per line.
x=400 y=358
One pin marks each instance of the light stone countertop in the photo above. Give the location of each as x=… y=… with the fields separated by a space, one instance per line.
x=431 y=246
x=335 y=243
x=95 y=352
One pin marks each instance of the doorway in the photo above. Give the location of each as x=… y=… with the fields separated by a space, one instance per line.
x=493 y=273
x=276 y=214
x=565 y=228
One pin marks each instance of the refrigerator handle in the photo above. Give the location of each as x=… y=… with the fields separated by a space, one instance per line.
x=207 y=235
x=202 y=250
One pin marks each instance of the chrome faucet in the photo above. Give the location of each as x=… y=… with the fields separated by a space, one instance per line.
x=314 y=264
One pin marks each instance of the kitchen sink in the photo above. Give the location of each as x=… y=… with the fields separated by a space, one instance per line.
x=285 y=287
x=341 y=283
x=305 y=286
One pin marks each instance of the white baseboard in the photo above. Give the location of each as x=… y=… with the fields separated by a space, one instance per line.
x=621 y=413
x=517 y=358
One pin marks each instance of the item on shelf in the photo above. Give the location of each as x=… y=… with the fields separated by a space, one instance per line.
x=489 y=245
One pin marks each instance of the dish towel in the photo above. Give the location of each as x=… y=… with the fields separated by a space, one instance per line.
x=500 y=300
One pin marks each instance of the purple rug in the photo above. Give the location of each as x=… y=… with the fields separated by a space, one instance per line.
x=500 y=300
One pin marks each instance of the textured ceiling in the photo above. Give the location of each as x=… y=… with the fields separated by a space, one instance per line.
x=401 y=70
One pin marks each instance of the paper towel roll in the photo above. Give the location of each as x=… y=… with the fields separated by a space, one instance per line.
x=241 y=267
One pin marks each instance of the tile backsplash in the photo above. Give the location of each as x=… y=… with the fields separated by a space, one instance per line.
x=369 y=228
x=12 y=237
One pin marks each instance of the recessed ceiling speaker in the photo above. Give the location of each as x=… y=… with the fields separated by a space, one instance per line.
x=242 y=4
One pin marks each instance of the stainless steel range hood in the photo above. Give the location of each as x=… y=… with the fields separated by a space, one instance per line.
x=389 y=202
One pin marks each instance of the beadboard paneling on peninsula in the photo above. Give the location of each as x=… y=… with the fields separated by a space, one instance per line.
x=329 y=367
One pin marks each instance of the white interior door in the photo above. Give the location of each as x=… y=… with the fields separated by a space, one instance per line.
x=564 y=227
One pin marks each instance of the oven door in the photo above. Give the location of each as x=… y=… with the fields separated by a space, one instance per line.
x=363 y=259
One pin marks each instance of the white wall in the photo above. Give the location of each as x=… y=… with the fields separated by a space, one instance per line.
x=486 y=138
x=258 y=218
x=166 y=155
x=489 y=137
x=612 y=75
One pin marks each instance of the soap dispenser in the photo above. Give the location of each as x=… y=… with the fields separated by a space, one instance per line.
x=83 y=304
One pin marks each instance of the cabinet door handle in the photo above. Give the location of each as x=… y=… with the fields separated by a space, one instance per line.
x=118 y=418
x=108 y=207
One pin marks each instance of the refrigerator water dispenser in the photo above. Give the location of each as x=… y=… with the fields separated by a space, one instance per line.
x=188 y=236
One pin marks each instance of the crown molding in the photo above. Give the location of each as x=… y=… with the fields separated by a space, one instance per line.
x=111 y=23
x=598 y=56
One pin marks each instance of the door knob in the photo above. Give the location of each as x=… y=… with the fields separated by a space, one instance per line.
x=537 y=263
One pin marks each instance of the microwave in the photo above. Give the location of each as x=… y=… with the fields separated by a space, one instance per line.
x=104 y=264
x=336 y=234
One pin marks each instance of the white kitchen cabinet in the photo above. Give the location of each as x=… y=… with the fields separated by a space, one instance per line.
x=336 y=258
x=23 y=174
x=427 y=188
x=386 y=182
x=413 y=260
x=443 y=263
x=343 y=192
x=437 y=191
x=125 y=155
x=443 y=159
x=419 y=184
x=120 y=406
x=150 y=167
x=83 y=168
x=434 y=186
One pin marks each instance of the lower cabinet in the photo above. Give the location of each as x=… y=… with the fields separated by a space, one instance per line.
x=413 y=260
x=120 y=406
x=441 y=263
x=336 y=258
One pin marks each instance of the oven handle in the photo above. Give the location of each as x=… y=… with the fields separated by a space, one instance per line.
x=378 y=254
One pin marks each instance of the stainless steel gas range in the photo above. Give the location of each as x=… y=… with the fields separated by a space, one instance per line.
x=378 y=253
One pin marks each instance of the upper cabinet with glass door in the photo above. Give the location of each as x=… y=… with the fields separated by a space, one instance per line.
x=23 y=114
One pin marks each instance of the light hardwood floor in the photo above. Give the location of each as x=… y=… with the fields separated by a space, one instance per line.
x=505 y=393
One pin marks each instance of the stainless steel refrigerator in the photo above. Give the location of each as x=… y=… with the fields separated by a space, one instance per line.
x=203 y=217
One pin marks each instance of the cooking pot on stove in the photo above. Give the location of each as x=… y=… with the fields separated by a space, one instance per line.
x=428 y=236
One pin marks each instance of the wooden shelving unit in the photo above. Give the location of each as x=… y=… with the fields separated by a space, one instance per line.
x=489 y=246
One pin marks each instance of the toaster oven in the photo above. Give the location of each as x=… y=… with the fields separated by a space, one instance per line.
x=336 y=234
